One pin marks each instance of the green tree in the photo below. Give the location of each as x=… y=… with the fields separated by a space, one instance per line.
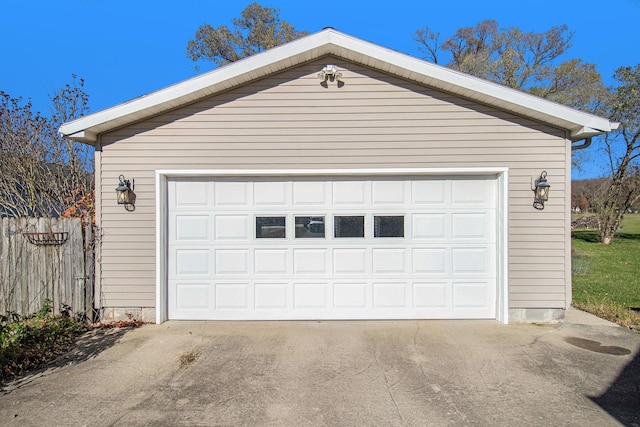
x=519 y=60
x=622 y=191
x=259 y=28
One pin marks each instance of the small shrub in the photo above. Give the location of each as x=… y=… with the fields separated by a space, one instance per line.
x=30 y=342
x=47 y=307
x=579 y=263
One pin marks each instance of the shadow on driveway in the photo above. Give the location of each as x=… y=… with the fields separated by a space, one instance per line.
x=87 y=346
x=622 y=398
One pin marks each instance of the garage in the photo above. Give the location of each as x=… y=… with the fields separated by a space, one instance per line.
x=331 y=178
x=333 y=247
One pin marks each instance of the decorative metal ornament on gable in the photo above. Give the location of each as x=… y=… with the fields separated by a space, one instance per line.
x=541 y=191
x=125 y=194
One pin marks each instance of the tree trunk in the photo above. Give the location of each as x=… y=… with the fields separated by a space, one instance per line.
x=606 y=238
x=607 y=226
x=617 y=200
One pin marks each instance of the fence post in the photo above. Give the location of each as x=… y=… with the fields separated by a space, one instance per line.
x=89 y=273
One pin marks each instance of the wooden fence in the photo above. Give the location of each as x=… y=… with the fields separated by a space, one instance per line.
x=46 y=258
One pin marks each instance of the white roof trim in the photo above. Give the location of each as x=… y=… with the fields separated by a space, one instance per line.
x=332 y=42
x=84 y=136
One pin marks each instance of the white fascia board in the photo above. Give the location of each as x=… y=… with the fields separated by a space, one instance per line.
x=584 y=132
x=84 y=136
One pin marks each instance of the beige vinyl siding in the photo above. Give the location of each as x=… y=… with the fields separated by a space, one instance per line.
x=289 y=121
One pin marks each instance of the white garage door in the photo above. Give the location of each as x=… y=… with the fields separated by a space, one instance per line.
x=332 y=248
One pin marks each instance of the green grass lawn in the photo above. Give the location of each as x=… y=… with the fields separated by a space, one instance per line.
x=606 y=279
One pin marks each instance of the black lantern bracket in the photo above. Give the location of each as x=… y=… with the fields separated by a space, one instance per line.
x=124 y=193
x=540 y=191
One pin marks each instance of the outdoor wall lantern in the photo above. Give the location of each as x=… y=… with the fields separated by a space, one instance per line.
x=541 y=190
x=125 y=193
x=330 y=73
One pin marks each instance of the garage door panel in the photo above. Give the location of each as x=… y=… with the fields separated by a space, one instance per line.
x=471 y=294
x=430 y=260
x=374 y=300
x=311 y=296
x=473 y=192
x=310 y=193
x=192 y=194
x=271 y=193
x=232 y=296
x=311 y=261
x=192 y=296
x=464 y=191
x=232 y=261
x=231 y=227
x=472 y=260
x=192 y=228
x=431 y=295
x=429 y=226
x=392 y=248
x=431 y=193
x=350 y=261
x=189 y=262
x=351 y=296
x=391 y=295
x=388 y=193
x=231 y=194
x=271 y=261
x=350 y=193
x=473 y=226
x=272 y=296
x=389 y=261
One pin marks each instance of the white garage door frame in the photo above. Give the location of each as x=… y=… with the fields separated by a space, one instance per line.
x=162 y=214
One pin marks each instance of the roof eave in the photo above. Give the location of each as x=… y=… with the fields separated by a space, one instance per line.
x=84 y=136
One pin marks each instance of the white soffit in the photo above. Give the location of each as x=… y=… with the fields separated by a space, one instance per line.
x=332 y=42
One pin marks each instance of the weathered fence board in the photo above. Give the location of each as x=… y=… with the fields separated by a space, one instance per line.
x=45 y=258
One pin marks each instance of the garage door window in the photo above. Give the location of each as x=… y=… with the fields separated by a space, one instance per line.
x=309 y=227
x=348 y=226
x=271 y=227
x=388 y=226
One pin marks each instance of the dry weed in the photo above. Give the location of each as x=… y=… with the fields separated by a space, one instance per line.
x=187 y=358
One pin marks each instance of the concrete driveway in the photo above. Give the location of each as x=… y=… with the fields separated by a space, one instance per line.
x=583 y=372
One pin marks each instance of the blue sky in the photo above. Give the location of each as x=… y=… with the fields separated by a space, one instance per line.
x=124 y=49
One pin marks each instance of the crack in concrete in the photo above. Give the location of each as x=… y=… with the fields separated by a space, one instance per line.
x=415 y=350
x=362 y=370
x=389 y=391
x=404 y=375
x=440 y=389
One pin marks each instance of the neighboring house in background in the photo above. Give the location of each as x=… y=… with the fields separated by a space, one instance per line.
x=422 y=177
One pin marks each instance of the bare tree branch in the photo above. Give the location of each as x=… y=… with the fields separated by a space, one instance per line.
x=39 y=168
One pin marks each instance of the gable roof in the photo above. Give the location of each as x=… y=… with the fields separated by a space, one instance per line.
x=331 y=42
